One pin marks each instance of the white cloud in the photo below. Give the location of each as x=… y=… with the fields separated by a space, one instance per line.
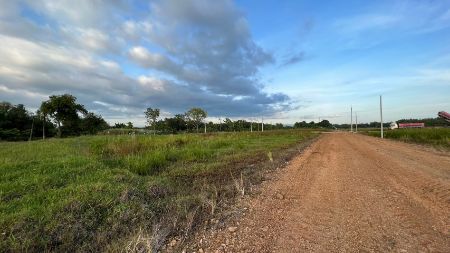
x=203 y=54
x=93 y=39
x=148 y=59
x=111 y=65
x=80 y=13
x=206 y=45
x=137 y=30
x=152 y=83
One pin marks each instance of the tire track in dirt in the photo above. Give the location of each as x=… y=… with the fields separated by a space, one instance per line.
x=347 y=193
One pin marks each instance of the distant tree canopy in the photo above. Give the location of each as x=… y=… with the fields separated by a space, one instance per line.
x=91 y=123
x=119 y=125
x=175 y=124
x=71 y=118
x=63 y=110
x=325 y=124
x=179 y=123
x=63 y=116
x=152 y=115
x=322 y=124
x=196 y=116
x=128 y=125
x=16 y=123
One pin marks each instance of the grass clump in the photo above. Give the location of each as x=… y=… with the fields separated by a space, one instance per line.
x=94 y=193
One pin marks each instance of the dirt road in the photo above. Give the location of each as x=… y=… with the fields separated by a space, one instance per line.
x=347 y=193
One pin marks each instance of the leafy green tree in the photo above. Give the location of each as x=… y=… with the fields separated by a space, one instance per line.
x=16 y=123
x=120 y=125
x=92 y=123
x=196 y=116
x=302 y=124
x=64 y=110
x=130 y=125
x=176 y=124
x=325 y=124
x=152 y=115
x=229 y=124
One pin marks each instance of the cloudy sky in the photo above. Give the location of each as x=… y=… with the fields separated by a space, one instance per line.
x=285 y=60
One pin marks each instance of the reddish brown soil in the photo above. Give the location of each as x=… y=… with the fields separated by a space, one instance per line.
x=347 y=193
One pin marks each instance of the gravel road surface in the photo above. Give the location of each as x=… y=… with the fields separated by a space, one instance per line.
x=347 y=193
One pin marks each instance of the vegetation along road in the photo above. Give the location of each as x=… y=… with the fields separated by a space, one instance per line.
x=112 y=193
x=346 y=193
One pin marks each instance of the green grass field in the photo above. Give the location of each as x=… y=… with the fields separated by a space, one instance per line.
x=98 y=193
x=438 y=137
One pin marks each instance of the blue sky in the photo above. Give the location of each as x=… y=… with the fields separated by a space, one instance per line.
x=285 y=60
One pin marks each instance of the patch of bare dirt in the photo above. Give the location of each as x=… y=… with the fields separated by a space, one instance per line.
x=345 y=193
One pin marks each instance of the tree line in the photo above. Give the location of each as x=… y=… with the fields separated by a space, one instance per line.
x=59 y=116
x=194 y=121
x=322 y=124
x=62 y=116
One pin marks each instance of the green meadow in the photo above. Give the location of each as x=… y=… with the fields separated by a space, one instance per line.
x=100 y=193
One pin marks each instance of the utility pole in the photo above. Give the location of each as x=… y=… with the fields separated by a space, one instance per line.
x=356 y=115
x=381 y=117
x=351 y=119
x=251 y=126
x=262 y=124
x=205 y=127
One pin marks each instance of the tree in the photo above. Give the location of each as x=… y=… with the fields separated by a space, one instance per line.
x=325 y=124
x=229 y=124
x=130 y=125
x=176 y=124
x=16 y=123
x=152 y=115
x=64 y=110
x=302 y=124
x=92 y=123
x=196 y=116
x=120 y=125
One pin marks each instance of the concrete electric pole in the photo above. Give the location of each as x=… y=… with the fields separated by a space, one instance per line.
x=262 y=124
x=351 y=119
x=381 y=117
